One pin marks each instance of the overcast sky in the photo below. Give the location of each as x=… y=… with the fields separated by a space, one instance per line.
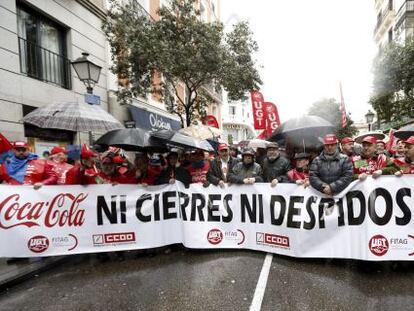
x=307 y=47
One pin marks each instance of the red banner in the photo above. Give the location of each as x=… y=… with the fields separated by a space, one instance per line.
x=258 y=110
x=271 y=115
x=211 y=120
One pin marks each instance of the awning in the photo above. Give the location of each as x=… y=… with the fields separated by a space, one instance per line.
x=152 y=121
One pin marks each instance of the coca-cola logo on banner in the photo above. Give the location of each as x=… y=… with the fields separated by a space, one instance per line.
x=62 y=210
x=215 y=236
x=378 y=245
x=38 y=244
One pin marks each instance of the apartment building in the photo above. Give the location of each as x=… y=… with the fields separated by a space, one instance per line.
x=395 y=21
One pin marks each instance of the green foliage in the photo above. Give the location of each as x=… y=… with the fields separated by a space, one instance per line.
x=329 y=110
x=188 y=52
x=393 y=97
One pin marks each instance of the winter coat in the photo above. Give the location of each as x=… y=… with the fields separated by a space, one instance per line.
x=179 y=173
x=369 y=166
x=335 y=171
x=215 y=173
x=276 y=169
x=199 y=174
x=60 y=170
x=36 y=171
x=241 y=171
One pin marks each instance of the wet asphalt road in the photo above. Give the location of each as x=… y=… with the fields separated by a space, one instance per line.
x=214 y=280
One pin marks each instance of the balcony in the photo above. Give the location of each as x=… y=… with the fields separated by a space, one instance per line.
x=384 y=21
x=406 y=8
x=45 y=65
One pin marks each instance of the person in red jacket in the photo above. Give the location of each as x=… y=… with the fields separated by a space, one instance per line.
x=24 y=168
x=198 y=168
x=146 y=173
x=85 y=172
x=300 y=174
x=57 y=160
x=114 y=172
x=406 y=164
x=371 y=163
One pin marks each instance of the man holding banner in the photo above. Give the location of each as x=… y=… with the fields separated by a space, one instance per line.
x=330 y=172
x=275 y=166
x=406 y=164
x=247 y=171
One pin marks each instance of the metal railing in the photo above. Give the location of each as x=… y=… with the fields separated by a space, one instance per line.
x=408 y=6
x=43 y=64
x=382 y=17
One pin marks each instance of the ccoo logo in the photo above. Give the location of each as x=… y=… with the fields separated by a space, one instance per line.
x=38 y=244
x=378 y=245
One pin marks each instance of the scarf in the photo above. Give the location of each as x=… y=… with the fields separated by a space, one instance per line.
x=16 y=168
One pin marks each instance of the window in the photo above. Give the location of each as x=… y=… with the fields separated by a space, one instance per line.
x=390 y=36
x=42 y=49
x=232 y=110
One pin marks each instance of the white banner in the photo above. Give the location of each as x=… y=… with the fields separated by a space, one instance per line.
x=371 y=220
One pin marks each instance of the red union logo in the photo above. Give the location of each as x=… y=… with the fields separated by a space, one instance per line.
x=215 y=236
x=378 y=245
x=38 y=244
x=272 y=240
x=62 y=210
x=275 y=239
x=121 y=237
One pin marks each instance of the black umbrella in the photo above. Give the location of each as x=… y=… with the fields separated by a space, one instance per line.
x=303 y=131
x=179 y=140
x=130 y=139
x=405 y=132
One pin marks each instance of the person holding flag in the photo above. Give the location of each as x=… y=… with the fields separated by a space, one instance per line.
x=5 y=149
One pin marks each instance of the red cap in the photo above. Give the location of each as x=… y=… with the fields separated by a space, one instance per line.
x=222 y=147
x=118 y=159
x=370 y=140
x=58 y=149
x=409 y=141
x=347 y=140
x=86 y=152
x=330 y=139
x=20 y=144
x=380 y=142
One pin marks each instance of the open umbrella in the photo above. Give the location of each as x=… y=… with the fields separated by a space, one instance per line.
x=201 y=131
x=377 y=135
x=179 y=140
x=405 y=132
x=304 y=131
x=131 y=139
x=73 y=116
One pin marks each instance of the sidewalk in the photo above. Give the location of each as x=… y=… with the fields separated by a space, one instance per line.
x=11 y=274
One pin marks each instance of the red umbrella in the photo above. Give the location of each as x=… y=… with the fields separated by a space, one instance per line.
x=5 y=145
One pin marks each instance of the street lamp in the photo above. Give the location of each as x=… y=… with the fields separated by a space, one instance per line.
x=87 y=71
x=369 y=118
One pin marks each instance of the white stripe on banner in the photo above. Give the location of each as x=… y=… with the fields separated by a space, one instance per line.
x=370 y=220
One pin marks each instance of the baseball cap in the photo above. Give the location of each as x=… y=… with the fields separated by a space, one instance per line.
x=20 y=144
x=330 y=139
x=58 y=149
x=409 y=141
x=222 y=147
x=369 y=140
x=347 y=140
x=86 y=152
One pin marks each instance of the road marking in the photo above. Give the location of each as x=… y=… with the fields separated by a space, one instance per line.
x=261 y=284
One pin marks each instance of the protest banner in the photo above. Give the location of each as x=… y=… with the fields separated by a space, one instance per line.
x=370 y=220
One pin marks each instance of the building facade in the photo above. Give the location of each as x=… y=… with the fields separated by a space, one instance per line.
x=38 y=41
x=237 y=120
x=395 y=21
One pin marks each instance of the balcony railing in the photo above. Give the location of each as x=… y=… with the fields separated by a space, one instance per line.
x=382 y=17
x=43 y=64
x=408 y=6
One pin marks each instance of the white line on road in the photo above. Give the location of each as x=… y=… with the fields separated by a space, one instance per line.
x=261 y=284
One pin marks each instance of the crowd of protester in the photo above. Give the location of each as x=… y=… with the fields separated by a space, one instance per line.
x=329 y=172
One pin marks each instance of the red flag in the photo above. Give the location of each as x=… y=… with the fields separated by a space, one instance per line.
x=390 y=144
x=5 y=145
x=210 y=120
x=262 y=135
x=271 y=115
x=258 y=110
x=342 y=108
